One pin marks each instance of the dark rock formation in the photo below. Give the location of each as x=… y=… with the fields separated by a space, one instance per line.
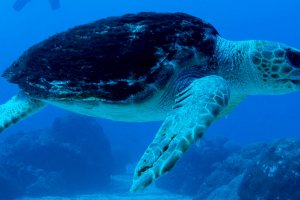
x=228 y=174
x=258 y=171
x=275 y=174
x=72 y=157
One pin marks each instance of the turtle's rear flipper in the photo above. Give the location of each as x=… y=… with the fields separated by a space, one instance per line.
x=17 y=108
x=196 y=107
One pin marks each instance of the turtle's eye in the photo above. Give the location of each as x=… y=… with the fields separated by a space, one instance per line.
x=294 y=57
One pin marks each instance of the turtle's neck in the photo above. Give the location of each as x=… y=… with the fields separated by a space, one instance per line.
x=231 y=54
x=233 y=60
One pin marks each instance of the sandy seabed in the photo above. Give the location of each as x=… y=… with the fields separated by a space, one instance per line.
x=120 y=191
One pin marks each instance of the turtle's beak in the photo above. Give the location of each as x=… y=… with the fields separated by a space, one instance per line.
x=295 y=79
x=295 y=75
x=292 y=58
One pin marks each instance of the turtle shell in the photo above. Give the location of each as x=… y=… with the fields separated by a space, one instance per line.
x=113 y=59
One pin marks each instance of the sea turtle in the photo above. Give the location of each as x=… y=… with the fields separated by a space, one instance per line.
x=149 y=66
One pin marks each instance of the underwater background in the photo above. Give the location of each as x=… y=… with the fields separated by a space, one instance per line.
x=63 y=155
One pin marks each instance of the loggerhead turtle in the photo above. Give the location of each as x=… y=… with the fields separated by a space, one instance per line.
x=149 y=66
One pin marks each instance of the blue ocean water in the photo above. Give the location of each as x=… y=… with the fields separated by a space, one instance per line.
x=257 y=119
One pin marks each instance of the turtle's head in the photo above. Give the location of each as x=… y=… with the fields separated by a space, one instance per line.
x=278 y=66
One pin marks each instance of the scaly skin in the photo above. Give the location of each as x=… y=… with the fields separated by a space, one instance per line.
x=17 y=108
x=258 y=67
x=195 y=109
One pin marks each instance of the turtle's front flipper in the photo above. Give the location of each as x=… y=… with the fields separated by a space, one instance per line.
x=18 y=108
x=196 y=107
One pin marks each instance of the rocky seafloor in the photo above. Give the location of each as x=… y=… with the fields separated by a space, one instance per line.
x=220 y=169
x=73 y=159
